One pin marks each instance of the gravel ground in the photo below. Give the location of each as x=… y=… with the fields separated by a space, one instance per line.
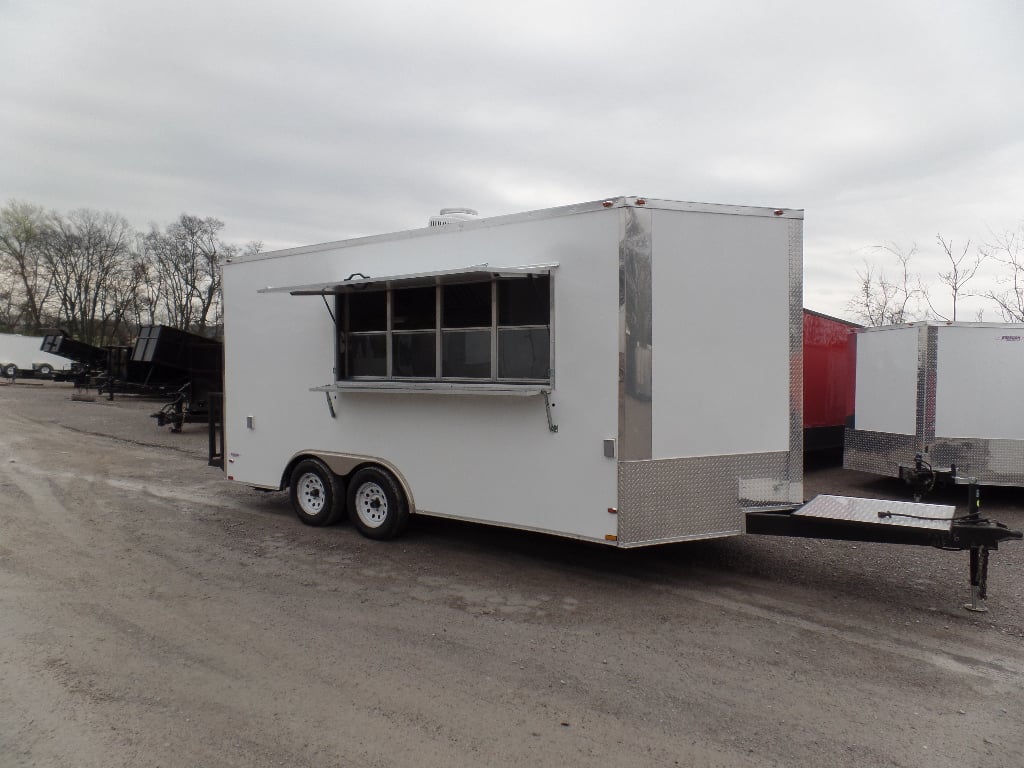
x=154 y=614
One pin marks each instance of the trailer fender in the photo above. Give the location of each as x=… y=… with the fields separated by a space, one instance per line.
x=344 y=464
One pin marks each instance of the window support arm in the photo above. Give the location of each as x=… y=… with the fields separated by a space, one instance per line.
x=552 y=427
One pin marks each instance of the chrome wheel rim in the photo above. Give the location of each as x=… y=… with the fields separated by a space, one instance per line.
x=371 y=505
x=311 y=494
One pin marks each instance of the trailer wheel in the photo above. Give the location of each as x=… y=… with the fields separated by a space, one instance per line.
x=45 y=369
x=9 y=370
x=317 y=494
x=377 y=506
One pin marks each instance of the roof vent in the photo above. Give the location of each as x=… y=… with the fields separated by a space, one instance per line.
x=452 y=215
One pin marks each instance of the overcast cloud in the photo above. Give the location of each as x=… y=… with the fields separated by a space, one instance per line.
x=886 y=122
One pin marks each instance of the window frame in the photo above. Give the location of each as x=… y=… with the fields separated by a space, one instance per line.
x=390 y=380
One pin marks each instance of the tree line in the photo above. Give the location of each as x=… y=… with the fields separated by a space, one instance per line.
x=93 y=276
x=991 y=274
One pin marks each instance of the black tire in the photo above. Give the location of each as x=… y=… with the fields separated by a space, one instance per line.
x=45 y=370
x=9 y=370
x=377 y=505
x=316 y=493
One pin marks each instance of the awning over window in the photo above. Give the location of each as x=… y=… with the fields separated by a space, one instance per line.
x=358 y=280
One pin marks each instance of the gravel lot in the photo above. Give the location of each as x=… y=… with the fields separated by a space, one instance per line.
x=153 y=614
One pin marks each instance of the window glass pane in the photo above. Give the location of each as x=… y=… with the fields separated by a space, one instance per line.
x=466 y=354
x=368 y=311
x=524 y=353
x=367 y=355
x=466 y=305
x=413 y=308
x=414 y=354
x=524 y=300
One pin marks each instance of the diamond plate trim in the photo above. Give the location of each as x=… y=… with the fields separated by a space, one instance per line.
x=796 y=354
x=879 y=453
x=698 y=497
x=927 y=369
x=904 y=514
x=992 y=462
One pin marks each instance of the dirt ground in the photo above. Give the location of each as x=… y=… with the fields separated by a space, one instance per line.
x=154 y=614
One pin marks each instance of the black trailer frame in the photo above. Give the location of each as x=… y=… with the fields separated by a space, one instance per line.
x=970 y=532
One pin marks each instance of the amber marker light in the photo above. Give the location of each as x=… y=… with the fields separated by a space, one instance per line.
x=610 y=537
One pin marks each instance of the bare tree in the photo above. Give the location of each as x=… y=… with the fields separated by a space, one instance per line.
x=883 y=301
x=148 y=281
x=1007 y=250
x=187 y=280
x=88 y=254
x=961 y=271
x=9 y=315
x=22 y=228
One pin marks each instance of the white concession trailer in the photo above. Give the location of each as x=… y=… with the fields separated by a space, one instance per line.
x=625 y=371
x=940 y=399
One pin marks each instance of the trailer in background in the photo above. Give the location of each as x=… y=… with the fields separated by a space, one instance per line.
x=830 y=346
x=626 y=371
x=937 y=401
x=190 y=365
x=24 y=356
x=108 y=369
x=86 y=360
x=164 y=363
x=87 y=356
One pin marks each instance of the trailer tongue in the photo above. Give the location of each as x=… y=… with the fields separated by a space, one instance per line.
x=893 y=522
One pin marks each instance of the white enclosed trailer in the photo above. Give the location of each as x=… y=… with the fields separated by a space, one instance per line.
x=948 y=393
x=626 y=371
x=22 y=354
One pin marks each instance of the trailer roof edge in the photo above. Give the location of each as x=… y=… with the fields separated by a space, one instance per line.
x=540 y=214
x=942 y=324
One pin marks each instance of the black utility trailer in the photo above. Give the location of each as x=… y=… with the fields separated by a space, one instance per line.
x=194 y=363
x=86 y=360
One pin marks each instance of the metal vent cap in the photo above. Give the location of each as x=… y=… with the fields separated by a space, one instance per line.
x=452 y=215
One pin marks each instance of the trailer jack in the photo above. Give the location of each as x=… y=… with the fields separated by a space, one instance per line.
x=979 y=580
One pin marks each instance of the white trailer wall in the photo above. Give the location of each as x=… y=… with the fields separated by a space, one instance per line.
x=482 y=457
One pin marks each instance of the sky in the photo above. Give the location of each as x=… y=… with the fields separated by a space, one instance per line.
x=319 y=120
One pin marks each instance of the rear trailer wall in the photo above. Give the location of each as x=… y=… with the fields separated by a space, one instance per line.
x=653 y=397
